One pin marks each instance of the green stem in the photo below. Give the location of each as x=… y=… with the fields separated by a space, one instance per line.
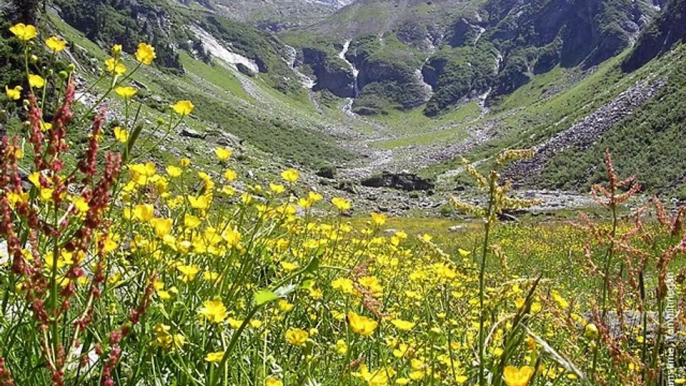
x=482 y=274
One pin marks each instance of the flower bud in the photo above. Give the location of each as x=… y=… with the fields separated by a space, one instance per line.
x=71 y=67
x=33 y=59
x=160 y=121
x=63 y=75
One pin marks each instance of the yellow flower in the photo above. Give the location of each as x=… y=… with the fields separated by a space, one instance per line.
x=162 y=226
x=562 y=302
x=277 y=188
x=24 y=32
x=230 y=175
x=36 y=81
x=13 y=93
x=341 y=347
x=143 y=212
x=378 y=219
x=183 y=108
x=231 y=236
x=184 y=162
x=222 y=153
x=341 y=203
x=210 y=276
x=380 y=377
x=518 y=377
x=56 y=44
x=361 y=324
x=290 y=175
x=173 y=171
x=297 y=336
x=271 y=381
x=213 y=310
x=188 y=272
x=344 y=285
x=402 y=325
x=591 y=330
x=463 y=253
x=200 y=202
x=190 y=221
x=122 y=135
x=114 y=66
x=288 y=267
x=81 y=204
x=215 y=357
x=126 y=92
x=145 y=54
x=116 y=50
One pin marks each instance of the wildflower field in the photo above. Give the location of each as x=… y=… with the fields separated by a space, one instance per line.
x=123 y=271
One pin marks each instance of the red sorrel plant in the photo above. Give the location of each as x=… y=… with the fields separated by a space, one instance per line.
x=633 y=268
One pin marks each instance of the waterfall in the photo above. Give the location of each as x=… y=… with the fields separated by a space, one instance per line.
x=305 y=80
x=356 y=72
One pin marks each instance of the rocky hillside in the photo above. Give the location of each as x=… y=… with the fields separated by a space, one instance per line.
x=444 y=52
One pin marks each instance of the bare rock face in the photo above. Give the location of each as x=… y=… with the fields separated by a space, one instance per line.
x=403 y=181
x=330 y=75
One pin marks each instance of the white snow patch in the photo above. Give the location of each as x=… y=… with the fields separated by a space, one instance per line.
x=221 y=52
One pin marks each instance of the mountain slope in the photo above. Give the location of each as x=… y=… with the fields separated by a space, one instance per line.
x=273 y=15
x=462 y=50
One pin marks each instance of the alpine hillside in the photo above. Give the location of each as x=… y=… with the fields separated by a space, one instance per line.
x=385 y=100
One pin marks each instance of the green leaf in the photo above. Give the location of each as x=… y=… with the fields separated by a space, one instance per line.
x=264 y=296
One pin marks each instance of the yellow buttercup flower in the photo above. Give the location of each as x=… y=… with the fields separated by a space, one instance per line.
x=122 y=135
x=297 y=336
x=126 y=92
x=402 y=325
x=81 y=204
x=341 y=203
x=143 y=212
x=271 y=381
x=378 y=219
x=116 y=50
x=114 y=66
x=145 y=54
x=214 y=357
x=173 y=171
x=24 y=32
x=36 y=81
x=56 y=44
x=222 y=153
x=183 y=108
x=518 y=377
x=188 y=272
x=290 y=175
x=380 y=377
x=344 y=285
x=341 y=347
x=13 y=93
x=463 y=252
x=230 y=175
x=213 y=310
x=200 y=202
x=361 y=324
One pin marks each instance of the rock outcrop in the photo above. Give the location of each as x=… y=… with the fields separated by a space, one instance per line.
x=402 y=181
x=332 y=74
